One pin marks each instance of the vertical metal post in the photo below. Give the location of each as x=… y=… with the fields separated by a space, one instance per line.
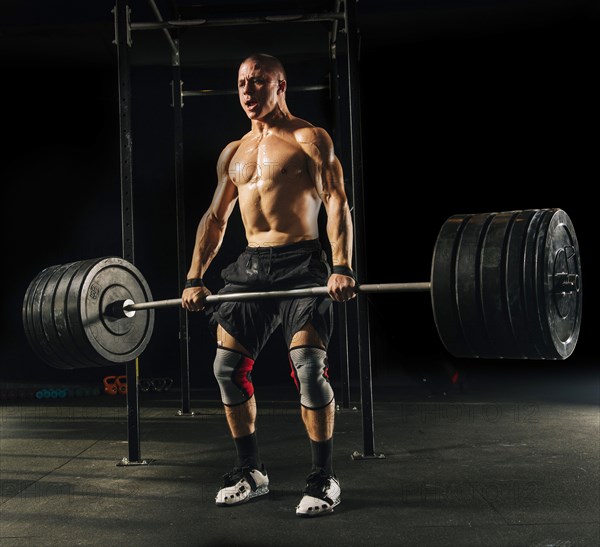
x=123 y=42
x=184 y=355
x=364 y=343
x=341 y=309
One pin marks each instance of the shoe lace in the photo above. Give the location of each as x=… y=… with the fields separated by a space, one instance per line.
x=232 y=477
x=316 y=483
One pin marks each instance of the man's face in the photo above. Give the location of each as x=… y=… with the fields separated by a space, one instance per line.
x=257 y=87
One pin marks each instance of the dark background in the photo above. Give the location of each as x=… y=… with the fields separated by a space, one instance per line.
x=467 y=106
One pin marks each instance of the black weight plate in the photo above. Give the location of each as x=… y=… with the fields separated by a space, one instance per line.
x=37 y=327
x=514 y=282
x=46 y=315
x=118 y=340
x=77 y=346
x=530 y=281
x=27 y=327
x=560 y=312
x=27 y=319
x=36 y=331
x=492 y=286
x=543 y=340
x=443 y=287
x=73 y=312
x=468 y=279
x=53 y=312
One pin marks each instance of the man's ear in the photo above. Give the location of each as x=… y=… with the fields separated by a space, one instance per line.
x=281 y=87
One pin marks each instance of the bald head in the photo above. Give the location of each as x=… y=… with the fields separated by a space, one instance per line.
x=268 y=63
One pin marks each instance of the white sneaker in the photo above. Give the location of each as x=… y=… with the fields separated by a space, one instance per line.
x=321 y=495
x=241 y=485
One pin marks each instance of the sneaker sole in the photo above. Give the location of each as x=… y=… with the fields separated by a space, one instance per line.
x=322 y=513
x=260 y=491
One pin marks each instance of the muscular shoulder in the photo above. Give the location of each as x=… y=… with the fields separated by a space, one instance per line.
x=316 y=141
x=226 y=155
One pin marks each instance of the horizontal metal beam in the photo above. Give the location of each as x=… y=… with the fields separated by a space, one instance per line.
x=292 y=89
x=240 y=21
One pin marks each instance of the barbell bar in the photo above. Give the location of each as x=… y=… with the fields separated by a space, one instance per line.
x=129 y=306
x=503 y=285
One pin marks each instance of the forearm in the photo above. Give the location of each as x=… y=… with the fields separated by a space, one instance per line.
x=209 y=237
x=339 y=231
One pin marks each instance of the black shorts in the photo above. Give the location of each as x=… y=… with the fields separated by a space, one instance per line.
x=293 y=266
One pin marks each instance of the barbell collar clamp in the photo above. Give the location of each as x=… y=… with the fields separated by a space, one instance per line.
x=119 y=309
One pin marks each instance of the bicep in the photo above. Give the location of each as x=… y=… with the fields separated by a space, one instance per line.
x=324 y=166
x=330 y=181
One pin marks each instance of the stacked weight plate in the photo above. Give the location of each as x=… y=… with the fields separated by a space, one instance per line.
x=64 y=314
x=508 y=285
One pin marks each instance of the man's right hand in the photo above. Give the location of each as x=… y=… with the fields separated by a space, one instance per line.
x=194 y=298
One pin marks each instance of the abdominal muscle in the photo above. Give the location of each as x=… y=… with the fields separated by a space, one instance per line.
x=277 y=213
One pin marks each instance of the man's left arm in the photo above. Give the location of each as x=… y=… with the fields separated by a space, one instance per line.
x=329 y=181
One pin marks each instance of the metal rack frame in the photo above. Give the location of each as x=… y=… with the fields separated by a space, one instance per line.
x=345 y=96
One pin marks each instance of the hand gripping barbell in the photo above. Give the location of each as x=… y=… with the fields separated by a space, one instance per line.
x=503 y=285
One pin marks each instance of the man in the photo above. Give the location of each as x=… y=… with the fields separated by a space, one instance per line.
x=280 y=172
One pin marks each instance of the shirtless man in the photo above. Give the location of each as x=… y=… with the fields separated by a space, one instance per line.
x=281 y=172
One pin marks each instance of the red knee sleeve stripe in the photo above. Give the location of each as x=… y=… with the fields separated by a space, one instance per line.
x=242 y=376
x=293 y=375
x=293 y=372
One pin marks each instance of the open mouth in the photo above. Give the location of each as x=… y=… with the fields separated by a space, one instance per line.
x=251 y=105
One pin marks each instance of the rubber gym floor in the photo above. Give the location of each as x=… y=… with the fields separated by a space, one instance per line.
x=507 y=457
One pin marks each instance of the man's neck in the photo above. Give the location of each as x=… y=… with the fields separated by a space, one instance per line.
x=274 y=119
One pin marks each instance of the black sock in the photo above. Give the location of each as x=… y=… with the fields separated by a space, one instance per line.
x=322 y=455
x=247 y=451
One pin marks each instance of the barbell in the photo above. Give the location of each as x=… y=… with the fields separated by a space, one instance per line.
x=503 y=285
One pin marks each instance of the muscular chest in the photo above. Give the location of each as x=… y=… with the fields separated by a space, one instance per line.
x=265 y=161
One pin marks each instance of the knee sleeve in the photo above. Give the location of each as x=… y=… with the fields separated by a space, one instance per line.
x=309 y=371
x=233 y=373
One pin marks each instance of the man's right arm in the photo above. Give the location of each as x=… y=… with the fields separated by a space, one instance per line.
x=211 y=229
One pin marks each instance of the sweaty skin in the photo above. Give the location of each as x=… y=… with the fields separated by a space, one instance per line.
x=281 y=172
x=279 y=200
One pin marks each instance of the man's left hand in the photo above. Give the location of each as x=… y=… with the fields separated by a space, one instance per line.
x=341 y=287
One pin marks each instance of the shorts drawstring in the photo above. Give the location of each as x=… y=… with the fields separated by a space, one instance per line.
x=257 y=254
x=254 y=262
x=270 y=260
